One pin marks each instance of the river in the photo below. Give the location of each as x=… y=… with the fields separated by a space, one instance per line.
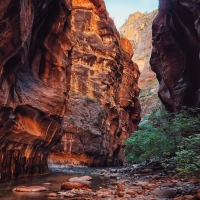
x=55 y=178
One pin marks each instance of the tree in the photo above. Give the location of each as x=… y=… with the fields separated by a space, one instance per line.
x=187 y=158
x=163 y=133
x=152 y=140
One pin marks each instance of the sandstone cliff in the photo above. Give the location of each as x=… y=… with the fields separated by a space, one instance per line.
x=62 y=73
x=103 y=107
x=138 y=29
x=175 y=56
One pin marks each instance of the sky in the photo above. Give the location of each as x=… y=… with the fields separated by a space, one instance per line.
x=119 y=10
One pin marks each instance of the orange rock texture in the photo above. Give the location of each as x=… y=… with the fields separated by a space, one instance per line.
x=175 y=56
x=126 y=45
x=102 y=108
x=62 y=73
x=138 y=29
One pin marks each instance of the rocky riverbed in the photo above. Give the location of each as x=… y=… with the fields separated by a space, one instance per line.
x=153 y=183
x=136 y=182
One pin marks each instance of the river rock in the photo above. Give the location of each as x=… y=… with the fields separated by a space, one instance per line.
x=165 y=193
x=30 y=189
x=179 y=198
x=189 y=197
x=80 y=179
x=52 y=195
x=113 y=171
x=75 y=185
x=77 y=192
x=121 y=194
x=131 y=191
x=113 y=175
x=46 y=183
x=104 y=193
x=144 y=185
x=101 y=174
x=146 y=171
x=198 y=195
x=67 y=194
x=120 y=190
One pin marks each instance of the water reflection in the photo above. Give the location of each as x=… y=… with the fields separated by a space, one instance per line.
x=56 y=179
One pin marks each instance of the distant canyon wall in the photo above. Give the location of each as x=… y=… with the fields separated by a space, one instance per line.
x=175 y=57
x=66 y=78
x=138 y=29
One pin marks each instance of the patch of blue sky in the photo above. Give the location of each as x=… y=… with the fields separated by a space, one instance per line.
x=119 y=10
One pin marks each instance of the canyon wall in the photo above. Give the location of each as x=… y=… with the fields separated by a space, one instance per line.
x=138 y=29
x=175 y=56
x=103 y=107
x=66 y=78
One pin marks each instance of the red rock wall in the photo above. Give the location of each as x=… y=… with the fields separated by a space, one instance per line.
x=56 y=57
x=103 y=107
x=34 y=60
x=175 y=56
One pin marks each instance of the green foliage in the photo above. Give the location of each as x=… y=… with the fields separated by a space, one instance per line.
x=87 y=98
x=187 y=122
x=148 y=143
x=145 y=92
x=164 y=134
x=187 y=157
x=151 y=140
x=71 y=117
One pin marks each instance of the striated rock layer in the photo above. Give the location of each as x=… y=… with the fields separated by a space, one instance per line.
x=175 y=56
x=33 y=83
x=138 y=29
x=103 y=107
x=62 y=73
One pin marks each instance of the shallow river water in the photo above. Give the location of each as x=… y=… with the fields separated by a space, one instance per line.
x=55 y=178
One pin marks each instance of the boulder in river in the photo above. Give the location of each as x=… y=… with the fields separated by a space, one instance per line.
x=75 y=185
x=77 y=192
x=30 y=189
x=52 y=195
x=165 y=193
x=80 y=179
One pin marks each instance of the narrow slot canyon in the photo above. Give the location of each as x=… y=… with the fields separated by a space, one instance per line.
x=99 y=99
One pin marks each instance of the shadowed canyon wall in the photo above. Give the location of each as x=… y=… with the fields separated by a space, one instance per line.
x=63 y=72
x=175 y=57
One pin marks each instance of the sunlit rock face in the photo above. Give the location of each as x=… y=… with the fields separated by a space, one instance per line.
x=175 y=56
x=103 y=107
x=62 y=73
x=138 y=29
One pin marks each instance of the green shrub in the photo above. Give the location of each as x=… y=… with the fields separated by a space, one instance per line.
x=148 y=143
x=87 y=98
x=152 y=140
x=187 y=158
x=71 y=117
x=168 y=134
x=186 y=122
x=144 y=92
